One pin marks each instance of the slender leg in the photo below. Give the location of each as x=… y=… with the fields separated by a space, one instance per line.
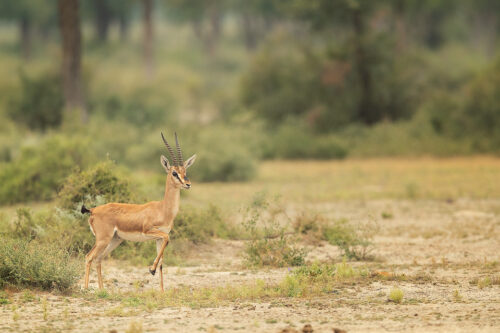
x=158 y=249
x=99 y=247
x=88 y=264
x=115 y=241
x=99 y=275
x=165 y=239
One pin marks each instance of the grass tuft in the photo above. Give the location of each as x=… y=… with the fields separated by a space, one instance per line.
x=396 y=295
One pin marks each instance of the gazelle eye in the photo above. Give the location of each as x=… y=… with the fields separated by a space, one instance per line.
x=175 y=174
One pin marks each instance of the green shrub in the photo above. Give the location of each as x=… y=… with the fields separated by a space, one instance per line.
x=222 y=156
x=295 y=142
x=482 y=109
x=67 y=229
x=40 y=171
x=353 y=240
x=24 y=225
x=27 y=264
x=200 y=225
x=39 y=104
x=268 y=244
x=100 y=180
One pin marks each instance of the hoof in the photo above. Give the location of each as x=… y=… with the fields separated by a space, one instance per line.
x=152 y=271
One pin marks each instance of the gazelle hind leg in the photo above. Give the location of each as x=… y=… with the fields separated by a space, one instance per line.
x=99 y=248
x=115 y=241
x=88 y=264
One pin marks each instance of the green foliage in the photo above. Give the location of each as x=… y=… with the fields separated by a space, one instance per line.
x=138 y=107
x=271 y=86
x=482 y=108
x=39 y=102
x=354 y=241
x=68 y=230
x=4 y=298
x=222 y=156
x=295 y=142
x=334 y=87
x=40 y=171
x=100 y=180
x=201 y=225
x=26 y=264
x=396 y=295
x=268 y=244
x=24 y=226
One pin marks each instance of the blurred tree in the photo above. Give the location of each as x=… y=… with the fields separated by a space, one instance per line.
x=27 y=14
x=69 y=24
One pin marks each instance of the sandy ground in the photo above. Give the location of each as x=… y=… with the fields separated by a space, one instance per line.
x=456 y=243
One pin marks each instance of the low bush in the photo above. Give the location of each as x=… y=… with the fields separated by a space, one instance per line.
x=200 y=225
x=39 y=171
x=317 y=278
x=396 y=295
x=68 y=230
x=353 y=240
x=269 y=245
x=100 y=180
x=26 y=264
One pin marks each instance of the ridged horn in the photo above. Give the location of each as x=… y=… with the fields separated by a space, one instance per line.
x=170 y=151
x=179 y=152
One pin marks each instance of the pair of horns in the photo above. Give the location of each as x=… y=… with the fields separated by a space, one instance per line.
x=176 y=160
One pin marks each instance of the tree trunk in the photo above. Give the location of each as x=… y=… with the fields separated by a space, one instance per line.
x=25 y=37
x=148 y=37
x=366 y=112
x=102 y=20
x=69 y=25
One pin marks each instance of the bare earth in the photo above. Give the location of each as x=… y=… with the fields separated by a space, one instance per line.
x=456 y=243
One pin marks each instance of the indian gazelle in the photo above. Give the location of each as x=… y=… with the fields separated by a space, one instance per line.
x=114 y=222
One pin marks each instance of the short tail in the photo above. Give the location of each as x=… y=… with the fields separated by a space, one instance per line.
x=84 y=210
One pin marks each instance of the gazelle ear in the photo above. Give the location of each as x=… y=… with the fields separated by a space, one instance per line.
x=164 y=163
x=190 y=161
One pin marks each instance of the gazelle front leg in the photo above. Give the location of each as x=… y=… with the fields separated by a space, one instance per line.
x=164 y=238
x=159 y=243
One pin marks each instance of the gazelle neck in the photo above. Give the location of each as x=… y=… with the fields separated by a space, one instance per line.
x=171 y=199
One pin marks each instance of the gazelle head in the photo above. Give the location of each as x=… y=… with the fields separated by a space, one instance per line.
x=177 y=171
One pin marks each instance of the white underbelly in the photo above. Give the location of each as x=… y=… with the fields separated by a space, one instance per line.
x=135 y=236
